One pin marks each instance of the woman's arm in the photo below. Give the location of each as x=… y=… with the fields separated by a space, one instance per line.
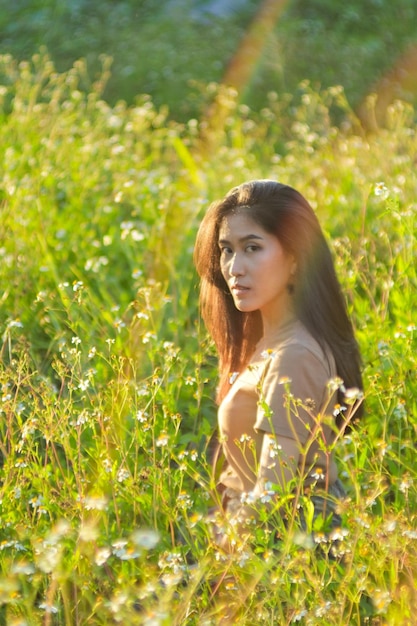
x=278 y=462
x=278 y=465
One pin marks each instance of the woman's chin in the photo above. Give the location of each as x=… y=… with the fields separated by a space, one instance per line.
x=243 y=307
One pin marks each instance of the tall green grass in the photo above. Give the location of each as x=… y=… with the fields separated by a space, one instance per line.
x=108 y=379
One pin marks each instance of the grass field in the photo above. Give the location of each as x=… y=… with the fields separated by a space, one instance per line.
x=108 y=379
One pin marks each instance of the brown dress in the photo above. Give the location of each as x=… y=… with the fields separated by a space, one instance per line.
x=286 y=391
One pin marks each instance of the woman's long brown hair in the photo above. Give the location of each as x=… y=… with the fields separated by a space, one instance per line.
x=318 y=300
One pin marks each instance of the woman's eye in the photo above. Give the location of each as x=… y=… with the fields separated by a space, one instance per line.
x=225 y=250
x=252 y=248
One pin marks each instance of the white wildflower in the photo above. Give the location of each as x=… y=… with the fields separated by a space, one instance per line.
x=381 y=190
x=102 y=555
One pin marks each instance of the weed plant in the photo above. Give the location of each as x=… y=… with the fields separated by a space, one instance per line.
x=108 y=379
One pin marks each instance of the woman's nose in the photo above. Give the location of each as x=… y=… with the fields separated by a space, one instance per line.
x=236 y=266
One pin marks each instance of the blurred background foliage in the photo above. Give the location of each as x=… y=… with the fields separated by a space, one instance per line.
x=171 y=49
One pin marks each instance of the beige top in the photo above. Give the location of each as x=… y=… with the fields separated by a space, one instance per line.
x=265 y=397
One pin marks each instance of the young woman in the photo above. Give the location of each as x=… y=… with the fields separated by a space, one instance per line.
x=273 y=305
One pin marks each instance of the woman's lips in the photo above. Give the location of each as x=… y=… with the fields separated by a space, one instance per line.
x=239 y=289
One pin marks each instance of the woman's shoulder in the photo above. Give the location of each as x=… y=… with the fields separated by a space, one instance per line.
x=302 y=339
x=299 y=345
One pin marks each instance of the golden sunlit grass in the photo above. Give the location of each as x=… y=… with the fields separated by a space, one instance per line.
x=107 y=378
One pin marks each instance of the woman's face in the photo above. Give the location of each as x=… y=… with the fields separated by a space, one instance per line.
x=255 y=267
